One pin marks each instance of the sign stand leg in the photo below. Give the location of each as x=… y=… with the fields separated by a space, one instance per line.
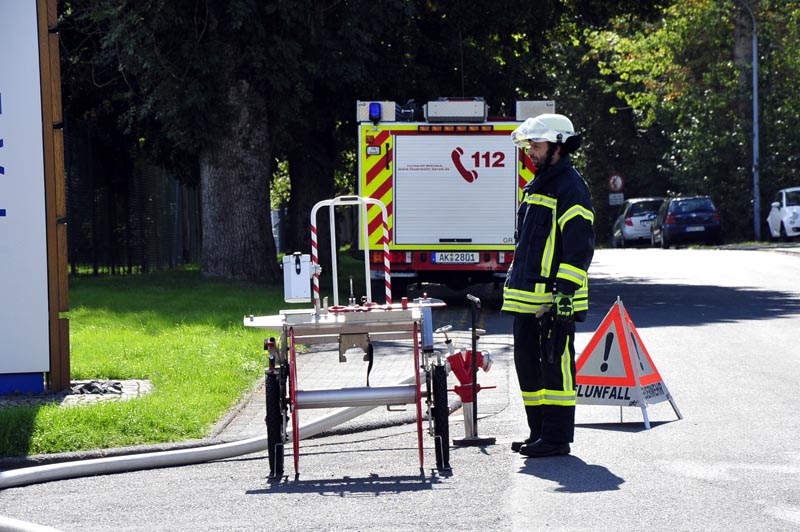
x=675 y=408
x=646 y=419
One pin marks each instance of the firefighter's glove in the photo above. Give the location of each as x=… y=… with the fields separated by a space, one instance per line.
x=562 y=303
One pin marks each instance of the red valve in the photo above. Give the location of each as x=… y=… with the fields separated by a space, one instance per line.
x=461 y=365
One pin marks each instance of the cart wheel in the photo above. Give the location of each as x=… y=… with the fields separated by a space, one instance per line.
x=274 y=426
x=441 y=428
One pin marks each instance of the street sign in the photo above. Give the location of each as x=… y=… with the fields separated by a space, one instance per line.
x=616 y=182
x=621 y=372
x=616 y=198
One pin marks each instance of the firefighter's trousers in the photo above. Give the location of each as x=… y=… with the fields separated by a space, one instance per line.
x=546 y=379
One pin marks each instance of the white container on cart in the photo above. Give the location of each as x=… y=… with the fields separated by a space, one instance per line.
x=297 y=278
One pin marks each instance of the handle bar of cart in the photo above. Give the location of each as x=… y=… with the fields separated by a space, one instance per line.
x=362 y=203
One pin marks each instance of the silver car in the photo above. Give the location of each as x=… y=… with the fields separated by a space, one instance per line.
x=784 y=214
x=632 y=226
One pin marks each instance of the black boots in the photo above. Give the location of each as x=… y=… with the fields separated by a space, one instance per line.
x=517 y=445
x=541 y=448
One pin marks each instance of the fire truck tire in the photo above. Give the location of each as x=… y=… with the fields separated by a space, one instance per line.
x=441 y=428
x=399 y=290
x=274 y=426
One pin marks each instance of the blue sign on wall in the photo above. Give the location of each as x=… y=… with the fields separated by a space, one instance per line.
x=2 y=170
x=25 y=318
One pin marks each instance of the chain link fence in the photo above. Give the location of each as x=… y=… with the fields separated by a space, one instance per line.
x=123 y=217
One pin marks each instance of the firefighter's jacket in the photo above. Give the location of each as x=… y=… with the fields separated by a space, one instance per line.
x=554 y=242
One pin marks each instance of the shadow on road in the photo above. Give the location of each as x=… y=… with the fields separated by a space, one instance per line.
x=349 y=486
x=661 y=305
x=648 y=303
x=573 y=474
x=632 y=427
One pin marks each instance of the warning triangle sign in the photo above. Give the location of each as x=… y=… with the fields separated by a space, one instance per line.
x=616 y=369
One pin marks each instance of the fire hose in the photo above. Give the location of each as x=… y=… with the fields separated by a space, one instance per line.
x=180 y=457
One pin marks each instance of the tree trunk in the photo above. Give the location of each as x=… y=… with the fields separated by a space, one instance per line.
x=311 y=171
x=234 y=186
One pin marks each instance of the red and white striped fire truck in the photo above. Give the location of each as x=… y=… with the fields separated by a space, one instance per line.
x=450 y=180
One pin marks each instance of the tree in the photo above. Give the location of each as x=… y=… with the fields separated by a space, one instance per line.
x=779 y=68
x=223 y=89
x=686 y=77
x=196 y=99
x=564 y=67
x=336 y=48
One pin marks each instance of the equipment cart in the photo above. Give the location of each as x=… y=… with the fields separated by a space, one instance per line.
x=355 y=325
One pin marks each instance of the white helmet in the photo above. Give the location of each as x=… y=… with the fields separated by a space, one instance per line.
x=543 y=128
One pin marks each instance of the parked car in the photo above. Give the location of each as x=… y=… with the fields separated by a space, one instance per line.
x=784 y=214
x=634 y=221
x=686 y=219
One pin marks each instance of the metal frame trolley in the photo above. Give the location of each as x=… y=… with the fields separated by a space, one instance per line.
x=355 y=325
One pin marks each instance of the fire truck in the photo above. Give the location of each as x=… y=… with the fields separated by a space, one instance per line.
x=451 y=181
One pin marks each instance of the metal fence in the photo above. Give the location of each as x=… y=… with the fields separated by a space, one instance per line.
x=123 y=217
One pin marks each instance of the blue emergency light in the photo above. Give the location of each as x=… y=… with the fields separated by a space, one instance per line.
x=375 y=112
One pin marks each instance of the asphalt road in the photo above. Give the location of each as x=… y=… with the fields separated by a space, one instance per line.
x=721 y=327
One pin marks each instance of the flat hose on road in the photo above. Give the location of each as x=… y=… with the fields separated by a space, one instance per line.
x=180 y=457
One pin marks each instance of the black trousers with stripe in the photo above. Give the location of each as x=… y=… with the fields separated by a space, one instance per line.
x=547 y=386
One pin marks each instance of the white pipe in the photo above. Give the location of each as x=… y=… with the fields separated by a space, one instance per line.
x=13 y=525
x=368 y=396
x=180 y=457
x=118 y=464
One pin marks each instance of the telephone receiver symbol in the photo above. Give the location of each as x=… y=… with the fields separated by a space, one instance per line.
x=468 y=175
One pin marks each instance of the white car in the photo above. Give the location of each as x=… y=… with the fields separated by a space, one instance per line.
x=784 y=214
x=634 y=220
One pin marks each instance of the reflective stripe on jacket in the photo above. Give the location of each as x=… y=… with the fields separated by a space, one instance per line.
x=554 y=242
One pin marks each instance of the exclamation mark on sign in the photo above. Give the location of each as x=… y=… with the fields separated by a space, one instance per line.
x=636 y=347
x=609 y=342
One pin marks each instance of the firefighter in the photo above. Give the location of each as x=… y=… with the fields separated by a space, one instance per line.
x=547 y=285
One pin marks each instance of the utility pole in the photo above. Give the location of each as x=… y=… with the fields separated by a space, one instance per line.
x=756 y=200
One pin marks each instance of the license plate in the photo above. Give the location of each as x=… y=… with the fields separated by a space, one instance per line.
x=455 y=257
x=646 y=223
x=695 y=228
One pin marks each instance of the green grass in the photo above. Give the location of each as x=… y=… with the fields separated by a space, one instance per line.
x=182 y=332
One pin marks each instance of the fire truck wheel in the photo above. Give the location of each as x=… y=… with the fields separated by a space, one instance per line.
x=399 y=289
x=274 y=426
x=378 y=291
x=441 y=428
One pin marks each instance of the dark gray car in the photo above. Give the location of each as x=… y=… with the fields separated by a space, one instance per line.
x=685 y=219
